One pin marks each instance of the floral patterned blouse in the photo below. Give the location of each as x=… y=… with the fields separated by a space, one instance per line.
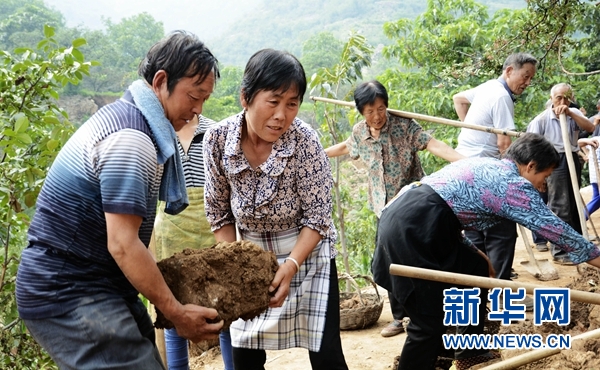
x=291 y=188
x=482 y=191
x=391 y=159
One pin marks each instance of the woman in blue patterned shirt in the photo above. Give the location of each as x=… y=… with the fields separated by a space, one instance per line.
x=422 y=227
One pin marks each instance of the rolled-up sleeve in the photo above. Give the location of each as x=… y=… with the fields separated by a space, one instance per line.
x=216 y=188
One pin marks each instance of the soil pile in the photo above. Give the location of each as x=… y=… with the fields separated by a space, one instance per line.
x=584 y=317
x=232 y=278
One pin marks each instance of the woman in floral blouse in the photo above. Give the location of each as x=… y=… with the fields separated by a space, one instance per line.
x=422 y=226
x=389 y=147
x=268 y=176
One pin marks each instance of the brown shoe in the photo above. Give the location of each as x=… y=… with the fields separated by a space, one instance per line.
x=393 y=328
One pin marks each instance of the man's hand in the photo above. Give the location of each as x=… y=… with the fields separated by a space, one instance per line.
x=592 y=141
x=560 y=109
x=192 y=323
x=141 y=270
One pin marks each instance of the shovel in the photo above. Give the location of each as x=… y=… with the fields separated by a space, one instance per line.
x=571 y=164
x=541 y=269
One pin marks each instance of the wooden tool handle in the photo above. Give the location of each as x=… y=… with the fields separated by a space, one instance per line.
x=483 y=282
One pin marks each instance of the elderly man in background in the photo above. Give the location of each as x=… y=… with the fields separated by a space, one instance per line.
x=561 y=197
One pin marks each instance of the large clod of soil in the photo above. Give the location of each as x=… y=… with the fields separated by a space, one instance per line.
x=232 y=278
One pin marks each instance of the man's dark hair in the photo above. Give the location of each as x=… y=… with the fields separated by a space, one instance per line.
x=517 y=60
x=180 y=54
x=533 y=147
x=272 y=70
x=367 y=92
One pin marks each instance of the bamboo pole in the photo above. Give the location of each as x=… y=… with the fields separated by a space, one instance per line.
x=483 y=282
x=538 y=354
x=427 y=118
x=574 y=180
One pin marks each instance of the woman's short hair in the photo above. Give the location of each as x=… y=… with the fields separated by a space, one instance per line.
x=367 y=92
x=180 y=54
x=272 y=70
x=533 y=147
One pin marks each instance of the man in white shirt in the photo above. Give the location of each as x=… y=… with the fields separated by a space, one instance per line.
x=491 y=104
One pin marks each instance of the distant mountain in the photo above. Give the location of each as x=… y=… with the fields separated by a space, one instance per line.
x=286 y=24
x=207 y=19
x=235 y=29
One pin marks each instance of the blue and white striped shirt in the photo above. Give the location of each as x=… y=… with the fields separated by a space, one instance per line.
x=108 y=165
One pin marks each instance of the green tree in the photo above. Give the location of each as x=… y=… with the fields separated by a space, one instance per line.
x=119 y=50
x=456 y=44
x=33 y=128
x=225 y=101
x=357 y=237
x=23 y=25
x=320 y=51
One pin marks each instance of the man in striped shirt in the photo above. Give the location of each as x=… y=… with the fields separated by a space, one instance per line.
x=87 y=258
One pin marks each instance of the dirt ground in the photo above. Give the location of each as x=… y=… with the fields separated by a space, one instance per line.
x=367 y=350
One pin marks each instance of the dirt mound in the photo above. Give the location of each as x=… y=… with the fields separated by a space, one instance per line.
x=584 y=317
x=232 y=278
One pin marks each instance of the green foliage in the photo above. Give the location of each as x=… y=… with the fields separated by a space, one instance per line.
x=360 y=222
x=21 y=351
x=331 y=83
x=320 y=51
x=225 y=100
x=455 y=45
x=33 y=128
x=23 y=22
x=287 y=25
x=119 y=50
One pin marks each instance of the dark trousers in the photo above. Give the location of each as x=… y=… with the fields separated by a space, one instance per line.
x=423 y=342
x=329 y=357
x=498 y=243
x=419 y=229
x=561 y=198
x=398 y=312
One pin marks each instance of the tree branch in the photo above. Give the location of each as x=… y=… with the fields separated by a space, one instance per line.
x=562 y=67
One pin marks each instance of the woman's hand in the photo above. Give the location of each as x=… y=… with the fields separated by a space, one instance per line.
x=281 y=283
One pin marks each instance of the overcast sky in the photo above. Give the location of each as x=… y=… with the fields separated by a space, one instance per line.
x=206 y=18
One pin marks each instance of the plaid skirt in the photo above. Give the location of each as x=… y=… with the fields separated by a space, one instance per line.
x=301 y=320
